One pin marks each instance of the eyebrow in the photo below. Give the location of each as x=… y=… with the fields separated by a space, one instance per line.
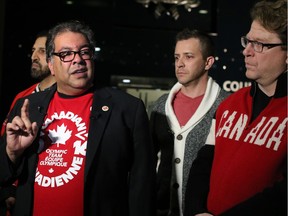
x=66 y=48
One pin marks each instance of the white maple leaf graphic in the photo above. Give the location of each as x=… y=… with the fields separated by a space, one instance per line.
x=60 y=136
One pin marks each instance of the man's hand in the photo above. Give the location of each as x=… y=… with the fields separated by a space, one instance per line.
x=20 y=133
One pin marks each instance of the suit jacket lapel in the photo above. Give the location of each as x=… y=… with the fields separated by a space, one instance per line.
x=101 y=111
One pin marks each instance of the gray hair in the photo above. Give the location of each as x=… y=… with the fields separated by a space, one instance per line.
x=69 y=26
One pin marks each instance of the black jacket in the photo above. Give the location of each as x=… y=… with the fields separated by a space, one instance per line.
x=118 y=138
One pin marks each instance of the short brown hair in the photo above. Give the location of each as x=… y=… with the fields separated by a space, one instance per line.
x=206 y=42
x=272 y=15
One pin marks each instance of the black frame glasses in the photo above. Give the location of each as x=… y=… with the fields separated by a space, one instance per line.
x=258 y=46
x=69 y=55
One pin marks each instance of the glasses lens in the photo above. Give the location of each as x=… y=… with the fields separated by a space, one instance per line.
x=244 y=41
x=258 y=47
x=66 y=56
x=86 y=54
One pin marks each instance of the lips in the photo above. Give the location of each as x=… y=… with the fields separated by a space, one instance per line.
x=248 y=65
x=34 y=64
x=83 y=70
x=180 y=72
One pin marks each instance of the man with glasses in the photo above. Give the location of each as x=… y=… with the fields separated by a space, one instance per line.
x=242 y=169
x=77 y=149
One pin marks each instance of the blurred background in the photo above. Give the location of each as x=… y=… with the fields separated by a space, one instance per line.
x=135 y=39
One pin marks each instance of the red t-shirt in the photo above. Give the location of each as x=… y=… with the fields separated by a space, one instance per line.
x=59 y=180
x=185 y=107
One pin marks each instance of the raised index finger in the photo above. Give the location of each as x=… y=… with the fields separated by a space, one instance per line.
x=25 y=115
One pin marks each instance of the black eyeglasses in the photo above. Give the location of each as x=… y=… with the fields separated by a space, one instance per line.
x=68 y=56
x=258 y=46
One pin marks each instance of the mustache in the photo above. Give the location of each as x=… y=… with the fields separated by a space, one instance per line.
x=35 y=61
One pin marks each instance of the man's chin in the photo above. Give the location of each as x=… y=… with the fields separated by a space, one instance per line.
x=250 y=74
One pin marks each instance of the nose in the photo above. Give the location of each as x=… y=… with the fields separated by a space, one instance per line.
x=248 y=50
x=179 y=62
x=34 y=55
x=78 y=58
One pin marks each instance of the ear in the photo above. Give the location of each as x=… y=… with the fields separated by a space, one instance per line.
x=209 y=62
x=50 y=65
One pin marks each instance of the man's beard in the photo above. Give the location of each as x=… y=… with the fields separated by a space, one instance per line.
x=40 y=74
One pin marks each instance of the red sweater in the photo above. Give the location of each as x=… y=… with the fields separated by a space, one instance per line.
x=249 y=156
x=21 y=94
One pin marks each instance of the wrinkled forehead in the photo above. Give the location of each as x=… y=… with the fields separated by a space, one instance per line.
x=70 y=40
x=259 y=33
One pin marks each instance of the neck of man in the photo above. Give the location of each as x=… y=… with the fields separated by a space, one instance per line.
x=46 y=83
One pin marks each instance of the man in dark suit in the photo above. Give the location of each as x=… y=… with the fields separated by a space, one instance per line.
x=76 y=149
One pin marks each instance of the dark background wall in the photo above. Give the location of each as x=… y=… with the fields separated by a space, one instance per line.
x=133 y=42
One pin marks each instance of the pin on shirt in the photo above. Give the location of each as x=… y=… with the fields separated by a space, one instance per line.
x=105 y=108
